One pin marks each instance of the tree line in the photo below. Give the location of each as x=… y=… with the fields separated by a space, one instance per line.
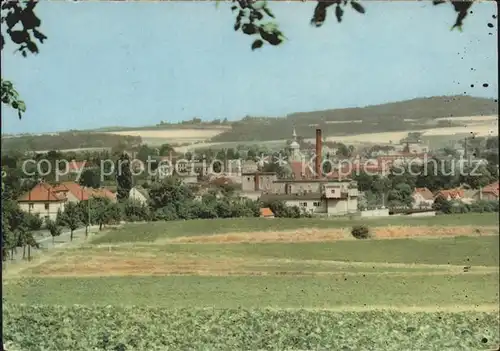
x=397 y=188
x=167 y=200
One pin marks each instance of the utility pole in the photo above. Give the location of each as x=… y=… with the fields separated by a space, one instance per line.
x=466 y=152
x=88 y=217
x=88 y=213
x=465 y=148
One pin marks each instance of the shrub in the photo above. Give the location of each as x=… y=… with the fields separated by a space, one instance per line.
x=360 y=232
x=135 y=211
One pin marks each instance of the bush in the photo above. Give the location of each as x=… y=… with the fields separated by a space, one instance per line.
x=33 y=221
x=360 y=232
x=280 y=209
x=135 y=211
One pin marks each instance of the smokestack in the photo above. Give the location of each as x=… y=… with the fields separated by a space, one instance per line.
x=319 y=148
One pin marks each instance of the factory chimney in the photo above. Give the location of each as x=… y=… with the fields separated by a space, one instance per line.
x=319 y=148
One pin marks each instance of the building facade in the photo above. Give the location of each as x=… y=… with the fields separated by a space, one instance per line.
x=320 y=197
x=43 y=200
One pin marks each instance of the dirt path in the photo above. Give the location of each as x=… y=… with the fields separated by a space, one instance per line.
x=335 y=234
x=380 y=264
x=107 y=264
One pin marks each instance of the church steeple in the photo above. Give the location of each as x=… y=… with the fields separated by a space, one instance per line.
x=294 y=147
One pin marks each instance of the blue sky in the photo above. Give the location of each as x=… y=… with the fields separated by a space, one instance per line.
x=136 y=63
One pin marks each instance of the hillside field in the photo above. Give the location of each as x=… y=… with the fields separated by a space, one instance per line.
x=447 y=116
x=419 y=283
x=436 y=137
x=173 y=135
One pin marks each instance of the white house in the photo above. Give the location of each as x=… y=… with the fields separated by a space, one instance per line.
x=322 y=197
x=43 y=200
x=422 y=198
x=139 y=194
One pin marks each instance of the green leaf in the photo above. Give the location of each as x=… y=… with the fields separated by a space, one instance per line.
x=339 y=13
x=257 y=44
x=21 y=106
x=39 y=35
x=268 y=12
x=249 y=28
x=259 y=5
x=32 y=47
x=19 y=36
x=356 y=6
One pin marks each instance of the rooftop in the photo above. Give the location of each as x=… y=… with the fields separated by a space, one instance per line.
x=313 y=180
x=266 y=212
x=426 y=193
x=285 y=197
x=258 y=173
x=42 y=192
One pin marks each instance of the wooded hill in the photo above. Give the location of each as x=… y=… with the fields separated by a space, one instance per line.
x=67 y=140
x=413 y=114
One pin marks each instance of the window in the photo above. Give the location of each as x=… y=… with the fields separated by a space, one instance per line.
x=248 y=178
x=46 y=206
x=303 y=204
x=316 y=204
x=31 y=206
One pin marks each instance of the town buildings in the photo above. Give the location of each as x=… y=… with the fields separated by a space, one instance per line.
x=309 y=190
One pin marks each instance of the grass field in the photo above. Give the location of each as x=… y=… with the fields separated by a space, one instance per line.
x=207 y=285
x=157 y=230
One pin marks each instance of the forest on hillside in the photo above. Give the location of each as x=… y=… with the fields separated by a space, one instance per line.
x=421 y=113
x=68 y=140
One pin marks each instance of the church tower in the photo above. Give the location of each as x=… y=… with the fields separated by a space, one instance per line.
x=295 y=147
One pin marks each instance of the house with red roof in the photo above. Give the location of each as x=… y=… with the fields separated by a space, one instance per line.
x=44 y=200
x=103 y=193
x=490 y=192
x=76 y=193
x=422 y=198
x=266 y=212
x=451 y=194
x=73 y=192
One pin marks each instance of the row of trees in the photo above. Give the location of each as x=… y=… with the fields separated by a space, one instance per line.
x=18 y=229
x=171 y=200
x=168 y=200
x=397 y=188
x=446 y=206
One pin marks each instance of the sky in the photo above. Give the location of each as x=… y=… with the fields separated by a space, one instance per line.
x=139 y=63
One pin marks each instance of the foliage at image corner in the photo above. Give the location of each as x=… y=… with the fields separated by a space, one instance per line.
x=254 y=18
x=21 y=25
x=10 y=97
